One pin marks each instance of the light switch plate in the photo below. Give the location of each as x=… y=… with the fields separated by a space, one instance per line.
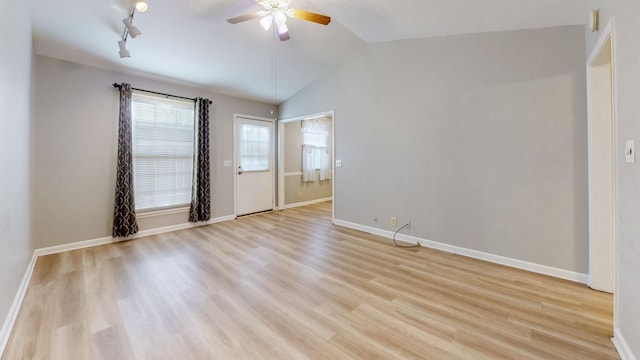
x=339 y=163
x=630 y=151
x=228 y=163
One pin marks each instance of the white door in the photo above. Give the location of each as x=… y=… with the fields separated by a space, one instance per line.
x=254 y=165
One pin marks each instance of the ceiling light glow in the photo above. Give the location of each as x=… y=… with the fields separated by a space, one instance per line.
x=142 y=6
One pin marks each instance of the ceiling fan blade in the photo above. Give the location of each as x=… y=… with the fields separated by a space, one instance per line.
x=245 y=17
x=284 y=36
x=313 y=17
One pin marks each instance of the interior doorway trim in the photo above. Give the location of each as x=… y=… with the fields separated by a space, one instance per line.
x=606 y=39
x=281 y=174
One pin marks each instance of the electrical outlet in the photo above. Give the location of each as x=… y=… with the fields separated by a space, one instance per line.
x=408 y=223
x=394 y=221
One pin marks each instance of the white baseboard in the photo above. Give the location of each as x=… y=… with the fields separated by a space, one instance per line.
x=622 y=346
x=311 y=202
x=12 y=316
x=109 y=240
x=502 y=260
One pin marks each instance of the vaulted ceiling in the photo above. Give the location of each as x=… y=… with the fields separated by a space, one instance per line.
x=189 y=40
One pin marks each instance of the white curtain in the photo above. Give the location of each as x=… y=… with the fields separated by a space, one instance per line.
x=324 y=163
x=315 y=150
x=308 y=163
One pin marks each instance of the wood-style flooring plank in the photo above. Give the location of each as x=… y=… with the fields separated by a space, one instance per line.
x=290 y=285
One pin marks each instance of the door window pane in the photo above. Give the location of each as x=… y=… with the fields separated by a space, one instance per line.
x=254 y=147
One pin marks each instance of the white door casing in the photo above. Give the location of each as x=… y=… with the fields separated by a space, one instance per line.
x=602 y=165
x=281 y=161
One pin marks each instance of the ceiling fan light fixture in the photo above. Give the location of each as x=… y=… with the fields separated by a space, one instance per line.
x=134 y=32
x=277 y=11
x=280 y=17
x=282 y=28
x=266 y=4
x=266 y=21
x=142 y=6
x=124 y=52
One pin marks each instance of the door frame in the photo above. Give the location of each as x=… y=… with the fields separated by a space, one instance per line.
x=235 y=157
x=606 y=37
x=281 y=140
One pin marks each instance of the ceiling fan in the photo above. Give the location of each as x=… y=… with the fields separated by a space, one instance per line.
x=277 y=11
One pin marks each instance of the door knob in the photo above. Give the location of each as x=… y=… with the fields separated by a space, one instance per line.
x=239 y=170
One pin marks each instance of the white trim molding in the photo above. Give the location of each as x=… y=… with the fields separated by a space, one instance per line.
x=110 y=240
x=606 y=37
x=305 y=203
x=497 y=259
x=161 y=212
x=622 y=346
x=12 y=316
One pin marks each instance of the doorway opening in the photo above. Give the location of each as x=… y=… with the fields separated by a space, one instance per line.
x=306 y=149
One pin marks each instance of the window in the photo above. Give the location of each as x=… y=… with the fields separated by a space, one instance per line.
x=317 y=140
x=254 y=147
x=163 y=133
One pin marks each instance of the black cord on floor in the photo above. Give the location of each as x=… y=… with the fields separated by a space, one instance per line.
x=403 y=246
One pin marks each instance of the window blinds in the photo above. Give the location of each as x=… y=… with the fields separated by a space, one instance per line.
x=163 y=135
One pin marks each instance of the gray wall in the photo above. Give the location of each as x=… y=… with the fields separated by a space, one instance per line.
x=76 y=114
x=480 y=140
x=626 y=69
x=15 y=154
x=295 y=190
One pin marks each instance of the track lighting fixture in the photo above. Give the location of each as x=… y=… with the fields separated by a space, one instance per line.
x=129 y=29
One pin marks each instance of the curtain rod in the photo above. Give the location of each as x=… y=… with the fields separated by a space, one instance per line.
x=117 y=86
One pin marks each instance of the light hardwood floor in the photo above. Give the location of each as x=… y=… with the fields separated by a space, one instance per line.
x=290 y=285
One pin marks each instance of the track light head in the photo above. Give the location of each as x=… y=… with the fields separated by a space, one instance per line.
x=124 y=52
x=133 y=31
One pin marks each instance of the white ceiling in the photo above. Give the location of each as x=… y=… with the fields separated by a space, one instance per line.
x=189 y=41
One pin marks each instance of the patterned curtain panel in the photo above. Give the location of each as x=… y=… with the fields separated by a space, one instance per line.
x=201 y=190
x=124 y=215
